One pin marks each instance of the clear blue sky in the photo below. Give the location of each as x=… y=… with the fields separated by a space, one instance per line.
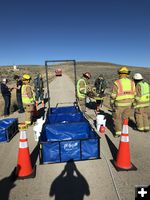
x=32 y=31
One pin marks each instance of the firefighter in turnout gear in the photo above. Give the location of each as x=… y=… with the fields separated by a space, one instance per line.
x=142 y=103
x=83 y=88
x=122 y=98
x=27 y=99
x=99 y=86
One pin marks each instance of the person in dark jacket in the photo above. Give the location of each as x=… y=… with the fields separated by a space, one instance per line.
x=6 y=93
x=18 y=93
x=39 y=90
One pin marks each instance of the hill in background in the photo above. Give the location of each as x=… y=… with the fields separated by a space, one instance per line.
x=109 y=70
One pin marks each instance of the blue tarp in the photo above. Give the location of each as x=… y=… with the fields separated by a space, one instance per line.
x=8 y=128
x=65 y=109
x=59 y=132
x=65 y=118
x=80 y=149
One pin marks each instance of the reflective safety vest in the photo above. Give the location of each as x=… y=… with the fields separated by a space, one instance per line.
x=79 y=88
x=126 y=89
x=144 y=99
x=25 y=98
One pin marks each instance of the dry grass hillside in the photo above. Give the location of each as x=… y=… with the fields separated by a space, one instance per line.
x=109 y=71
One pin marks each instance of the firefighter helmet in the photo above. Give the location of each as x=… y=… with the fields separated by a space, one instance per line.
x=26 y=77
x=137 y=76
x=123 y=70
x=4 y=80
x=87 y=75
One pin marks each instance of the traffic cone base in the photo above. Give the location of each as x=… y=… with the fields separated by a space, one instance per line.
x=123 y=161
x=132 y=168
x=32 y=175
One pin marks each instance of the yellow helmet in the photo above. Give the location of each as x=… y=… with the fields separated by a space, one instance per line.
x=26 y=77
x=123 y=70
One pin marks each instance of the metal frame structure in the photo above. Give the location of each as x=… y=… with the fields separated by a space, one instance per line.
x=75 y=77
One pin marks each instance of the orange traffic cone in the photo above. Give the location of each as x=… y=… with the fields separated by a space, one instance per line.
x=24 y=168
x=123 y=161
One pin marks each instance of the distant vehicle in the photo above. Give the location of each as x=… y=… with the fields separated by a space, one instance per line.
x=58 y=72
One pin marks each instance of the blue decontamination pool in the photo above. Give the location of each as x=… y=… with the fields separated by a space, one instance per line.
x=8 y=128
x=67 y=135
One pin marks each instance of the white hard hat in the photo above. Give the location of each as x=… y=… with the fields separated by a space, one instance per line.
x=137 y=76
x=4 y=80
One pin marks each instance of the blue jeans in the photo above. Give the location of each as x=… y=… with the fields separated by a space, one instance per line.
x=39 y=95
x=7 y=104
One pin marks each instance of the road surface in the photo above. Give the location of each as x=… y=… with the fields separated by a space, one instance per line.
x=92 y=180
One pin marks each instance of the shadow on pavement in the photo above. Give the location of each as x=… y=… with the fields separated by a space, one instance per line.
x=132 y=124
x=34 y=155
x=70 y=184
x=6 y=184
x=112 y=147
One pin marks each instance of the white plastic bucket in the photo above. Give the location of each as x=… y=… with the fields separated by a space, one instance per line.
x=37 y=133
x=100 y=120
x=38 y=128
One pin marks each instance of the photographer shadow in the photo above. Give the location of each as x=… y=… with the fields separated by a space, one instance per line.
x=6 y=184
x=70 y=184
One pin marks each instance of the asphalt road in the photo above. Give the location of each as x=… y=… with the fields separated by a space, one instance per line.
x=91 y=179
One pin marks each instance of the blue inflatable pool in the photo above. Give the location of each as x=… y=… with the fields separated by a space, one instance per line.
x=67 y=135
x=8 y=128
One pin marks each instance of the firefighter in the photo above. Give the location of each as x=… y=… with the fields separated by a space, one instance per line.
x=27 y=99
x=100 y=86
x=39 y=90
x=142 y=102
x=82 y=89
x=122 y=98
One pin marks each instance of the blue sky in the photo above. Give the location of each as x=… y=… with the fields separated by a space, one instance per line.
x=117 y=31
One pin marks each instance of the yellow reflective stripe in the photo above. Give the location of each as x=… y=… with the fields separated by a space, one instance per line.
x=28 y=122
x=98 y=98
x=141 y=128
x=142 y=105
x=123 y=104
x=118 y=132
